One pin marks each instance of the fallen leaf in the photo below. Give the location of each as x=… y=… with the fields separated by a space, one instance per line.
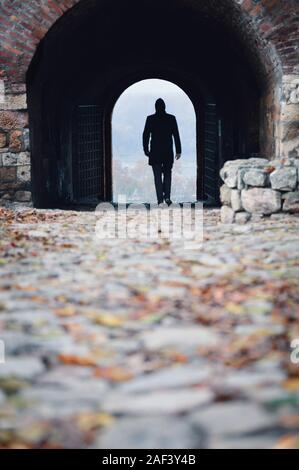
x=290 y=421
x=38 y=298
x=236 y=309
x=115 y=374
x=34 y=433
x=288 y=442
x=89 y=421
x=292 y=385
x=105 y=319
x=65 y=311
x=71 y=359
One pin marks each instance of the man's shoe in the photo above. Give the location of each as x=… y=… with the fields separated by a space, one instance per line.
x=168 y=202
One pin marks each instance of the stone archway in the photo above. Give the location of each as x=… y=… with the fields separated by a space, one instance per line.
x=132 y=176
x=195 y=92
x=231 y=47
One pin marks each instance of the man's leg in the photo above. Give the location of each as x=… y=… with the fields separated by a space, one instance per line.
x=157 y=170
x=167 y=176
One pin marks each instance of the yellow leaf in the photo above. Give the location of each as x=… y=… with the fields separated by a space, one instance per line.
x=115 y=374
x=89 y=421
x=292 y=385
x=236 y=309
x=61 y=298
x=71 y=359
x=65 y=311
x=105 y=319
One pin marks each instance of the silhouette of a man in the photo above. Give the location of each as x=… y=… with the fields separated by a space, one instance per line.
x=160 y=130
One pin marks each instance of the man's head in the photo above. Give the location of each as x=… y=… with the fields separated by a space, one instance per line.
x=160 y=106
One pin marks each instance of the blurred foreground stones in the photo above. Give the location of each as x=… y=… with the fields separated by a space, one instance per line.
x=121 y=343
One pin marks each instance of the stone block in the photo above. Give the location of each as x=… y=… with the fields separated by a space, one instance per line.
x=225 y=195
x=7 y=174
x=291 y=89
x=255 y=178
x=230 y=177
x=236 y=202
x=14 y=102
x=6 y=197
x=289 y=130
x=284 y=179
x=227 y=215
x=11 y=185
x=23 y=196
x=295 y=161
x=261 y=200
x=26 y=139
x=3 y=139
x=14 y=159
x=240 y=182
x=9 y=159
x=229 y=172
x=16 y=141
x=11 y=120
x=289 y=112
x=256 y=218
x=291 y=202
x=23 y=173
x=23 y=158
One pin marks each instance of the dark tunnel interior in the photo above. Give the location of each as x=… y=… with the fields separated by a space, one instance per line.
x=98 y=49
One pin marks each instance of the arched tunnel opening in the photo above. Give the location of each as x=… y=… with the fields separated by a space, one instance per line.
x=132 y=174
x=97 y=50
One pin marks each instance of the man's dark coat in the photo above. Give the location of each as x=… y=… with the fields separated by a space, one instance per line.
x=160 y=130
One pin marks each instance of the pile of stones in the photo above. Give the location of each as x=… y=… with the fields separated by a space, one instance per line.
x=257 y=187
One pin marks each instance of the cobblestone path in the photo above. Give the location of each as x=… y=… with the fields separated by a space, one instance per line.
x=127 y=344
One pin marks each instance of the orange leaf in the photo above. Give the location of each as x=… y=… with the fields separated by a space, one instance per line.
x=288 y=442
x=65 y=311
x=115 y=374
x=292 y=385
x=76 y=360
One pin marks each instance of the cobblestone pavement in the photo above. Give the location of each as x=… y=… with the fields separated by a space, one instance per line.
x=126 y=344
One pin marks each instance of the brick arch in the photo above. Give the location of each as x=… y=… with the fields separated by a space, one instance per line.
x=264 y=24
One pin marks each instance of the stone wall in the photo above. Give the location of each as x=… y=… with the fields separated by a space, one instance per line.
x=255 y=187
x=288 y=134
x=14 y=146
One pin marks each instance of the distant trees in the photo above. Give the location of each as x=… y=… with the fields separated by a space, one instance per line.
x=137 y=184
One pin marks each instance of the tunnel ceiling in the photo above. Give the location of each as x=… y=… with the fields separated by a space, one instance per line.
x=266 y=30
x=177 y=29
x=91 y=44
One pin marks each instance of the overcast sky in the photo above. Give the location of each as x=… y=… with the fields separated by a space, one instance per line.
x=149 y=91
